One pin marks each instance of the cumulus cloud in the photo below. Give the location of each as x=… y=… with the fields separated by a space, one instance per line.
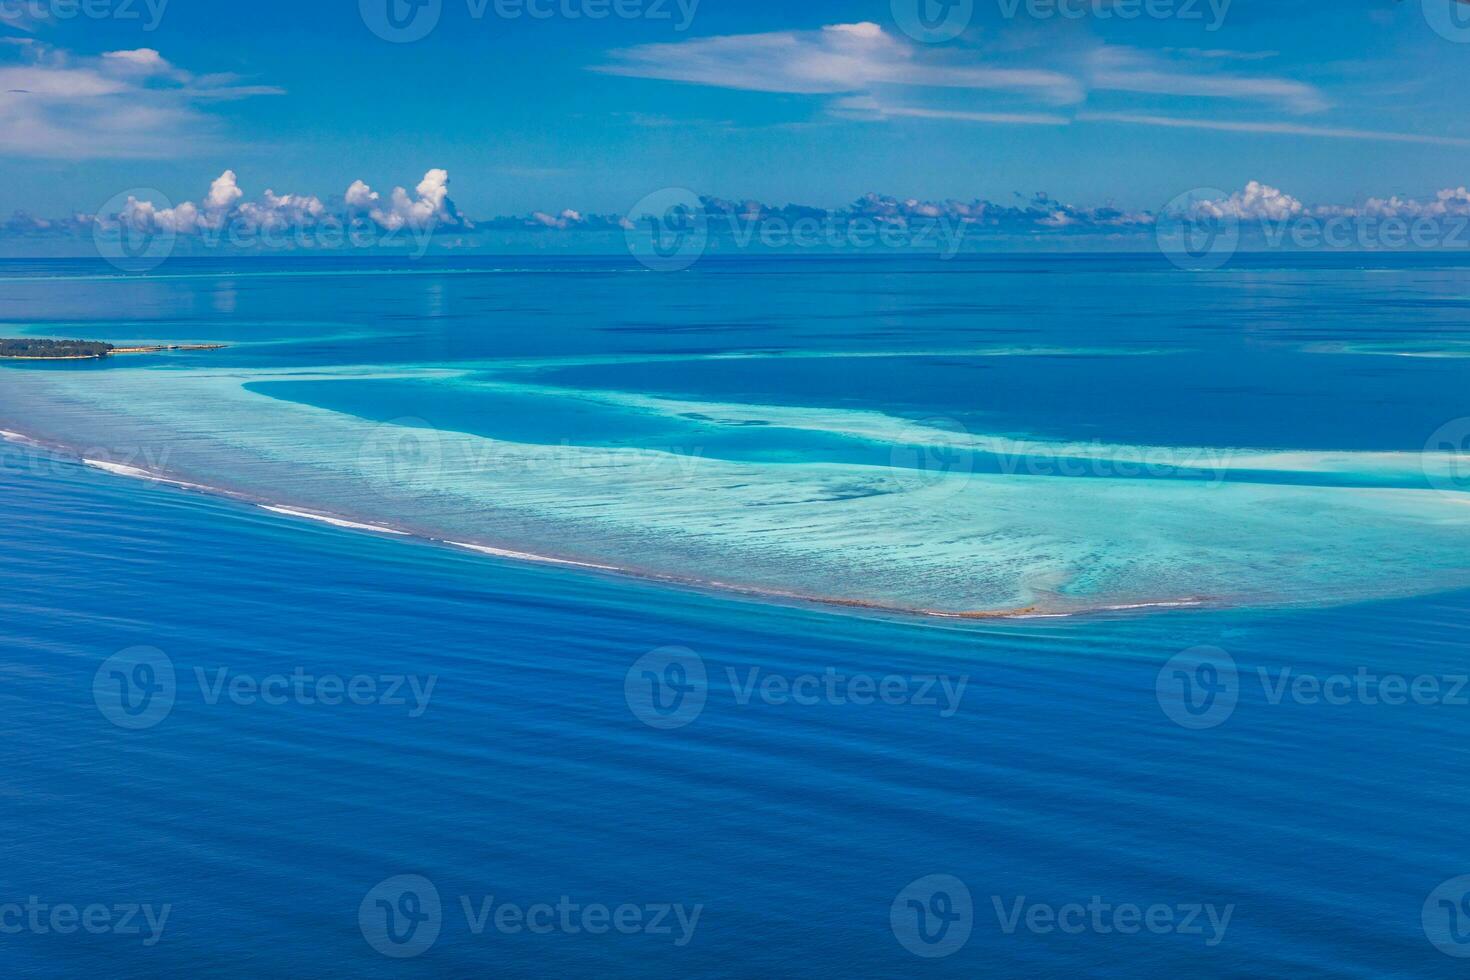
x=361 y=197
x=225 y=207
x=224 y=191
x=226 y=212
x=429 y=207
x=1448 y=203
x=1257 y=202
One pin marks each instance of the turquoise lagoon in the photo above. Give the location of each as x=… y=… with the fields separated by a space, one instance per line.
x=1260 y=470
x=1038 y=436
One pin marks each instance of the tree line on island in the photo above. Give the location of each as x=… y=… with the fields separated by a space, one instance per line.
x=53 y=348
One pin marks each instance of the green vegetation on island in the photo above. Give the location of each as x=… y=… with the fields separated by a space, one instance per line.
x=53 y=348
x=72 y=350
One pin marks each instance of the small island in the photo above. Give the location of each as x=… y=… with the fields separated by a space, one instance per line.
x=79 y=350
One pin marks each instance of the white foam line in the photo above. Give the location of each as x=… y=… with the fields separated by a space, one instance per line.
x=9 y=436
x=1162 y=604
x=119 y=469
x=527 y=556
x=334 y=521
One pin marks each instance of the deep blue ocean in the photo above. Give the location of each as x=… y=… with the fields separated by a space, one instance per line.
x=298 y=748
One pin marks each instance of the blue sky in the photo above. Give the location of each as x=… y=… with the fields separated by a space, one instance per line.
x=816 y=103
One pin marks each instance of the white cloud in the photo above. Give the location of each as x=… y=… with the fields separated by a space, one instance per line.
x=1127 y=70
x=223 y=192
x=868 y=107
x=1261 y=202
x=429 y=209
x=1264 y=126
x=361 y=197
x=1449 y=203
x=134 y=103
x=20 y=17
x=566 y=218
x=140 y=62
x=1256 y=202
x=275 y=212
x=838 y=59
x=225 y=207
x=1224 y=54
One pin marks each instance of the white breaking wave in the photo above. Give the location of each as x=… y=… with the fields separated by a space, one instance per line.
x=334 y=521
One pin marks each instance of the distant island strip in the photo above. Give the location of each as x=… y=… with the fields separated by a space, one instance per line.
x=79 y=350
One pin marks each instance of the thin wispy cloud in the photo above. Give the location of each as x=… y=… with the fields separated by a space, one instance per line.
x=867 y=107
x=1224 y=54
x=1280 y=128
x=21 y=17
x=836 y=60
x=126 y=103
x=1126 y=70
x=873 y=75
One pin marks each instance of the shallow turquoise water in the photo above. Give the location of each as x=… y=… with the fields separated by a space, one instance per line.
x=1067 y=433
x=1051 y=435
